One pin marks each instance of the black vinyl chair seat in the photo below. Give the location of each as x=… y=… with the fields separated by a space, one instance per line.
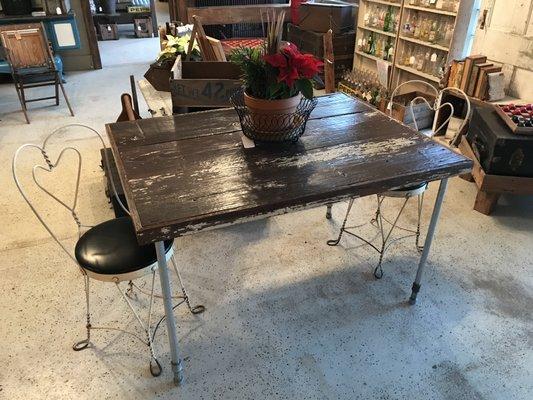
x=111 y=248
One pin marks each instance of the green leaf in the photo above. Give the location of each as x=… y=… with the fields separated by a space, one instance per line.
x=305 y=87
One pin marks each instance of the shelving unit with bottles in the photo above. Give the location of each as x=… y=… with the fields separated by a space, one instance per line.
x=418 y=38
x=377 y=30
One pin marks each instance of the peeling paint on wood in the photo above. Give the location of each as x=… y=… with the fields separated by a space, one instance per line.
x=188 y=173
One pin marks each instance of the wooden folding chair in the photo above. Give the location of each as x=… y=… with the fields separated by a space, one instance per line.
x=32 y=63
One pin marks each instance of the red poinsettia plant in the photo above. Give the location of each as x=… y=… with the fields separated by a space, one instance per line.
x=294 y=72
x=276 y=71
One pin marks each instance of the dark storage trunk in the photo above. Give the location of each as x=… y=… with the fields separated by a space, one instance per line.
x=313 y=42
x=499 y=151
x=322 y=15
x=16 y=7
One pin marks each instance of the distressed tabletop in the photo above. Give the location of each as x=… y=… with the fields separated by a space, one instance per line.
x=190 y=172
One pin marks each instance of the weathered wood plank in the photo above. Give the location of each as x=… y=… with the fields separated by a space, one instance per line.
x=221 y=15
x=180 y=177
x=159 y=103
x=184 y=126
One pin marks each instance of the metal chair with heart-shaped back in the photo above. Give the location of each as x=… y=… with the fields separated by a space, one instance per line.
x=415 y=190
x=108 y=251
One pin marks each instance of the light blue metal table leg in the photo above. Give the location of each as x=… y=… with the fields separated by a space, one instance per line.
x=429 y=240
x=177 y=367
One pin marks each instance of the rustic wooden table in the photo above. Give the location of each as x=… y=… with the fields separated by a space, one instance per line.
x=187 y=173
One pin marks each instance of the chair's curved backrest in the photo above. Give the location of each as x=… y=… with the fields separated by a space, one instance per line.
x=421 y=99
x=27 y=45
x=455 y=140
x=49 y=165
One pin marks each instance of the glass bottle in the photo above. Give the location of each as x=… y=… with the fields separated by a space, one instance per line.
x=387 y=23
x=433 y=31
x=420 y=61
x=417 y=31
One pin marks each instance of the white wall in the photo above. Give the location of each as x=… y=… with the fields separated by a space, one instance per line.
x=508 y=39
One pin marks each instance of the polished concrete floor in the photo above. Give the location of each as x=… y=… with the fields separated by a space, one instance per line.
x=287 y=316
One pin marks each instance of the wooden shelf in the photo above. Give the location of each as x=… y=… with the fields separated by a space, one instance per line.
x=431 y=10
x=370 y=56
x=387 y=3
x=366 y=28
x=423 y=43
x=419 y=73
x=459 y=19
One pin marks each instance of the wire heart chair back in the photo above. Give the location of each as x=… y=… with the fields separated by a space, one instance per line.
x=436 y=106
x=49 y=166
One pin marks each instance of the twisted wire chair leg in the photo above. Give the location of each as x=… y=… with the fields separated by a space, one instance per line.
x=335 y=242
x=198 y=309
x=378 y=271
x=157 y=369
x=420 y=201
x=83 y=344
x=130 y=291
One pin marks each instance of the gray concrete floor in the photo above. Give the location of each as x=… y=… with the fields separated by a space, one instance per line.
x=287 y=316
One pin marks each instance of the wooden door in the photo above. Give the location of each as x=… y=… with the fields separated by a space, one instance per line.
x=505 y=35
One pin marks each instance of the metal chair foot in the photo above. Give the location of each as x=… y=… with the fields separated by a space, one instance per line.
x=378 y=272
x=199 y=309
x=156 y=369
x=81 y=345
x=333 y=242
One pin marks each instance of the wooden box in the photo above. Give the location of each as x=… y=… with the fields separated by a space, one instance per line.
x=159 y=76
x=203 y=83
x=143 y=27
x=313 y=42
x=322 y=15
x=108 y=31
x=518 y=130
x=401 y=110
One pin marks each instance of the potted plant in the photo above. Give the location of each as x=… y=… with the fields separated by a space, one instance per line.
x=159 y=72
x=275 y=76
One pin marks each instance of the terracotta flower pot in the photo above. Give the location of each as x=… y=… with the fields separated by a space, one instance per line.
x=265 y=114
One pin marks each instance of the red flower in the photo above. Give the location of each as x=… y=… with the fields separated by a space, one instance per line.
x=293 y=65
x=307 y=65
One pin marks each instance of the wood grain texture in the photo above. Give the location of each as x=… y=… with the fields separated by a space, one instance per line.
x=188 y=173
x=221 y=15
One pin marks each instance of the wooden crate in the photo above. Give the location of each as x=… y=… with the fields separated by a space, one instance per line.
x=108 y=31
x=401 y=110
x=203 y=83
x=313 y=42
x=143 y=27
x=511 y=124
x=159 y=76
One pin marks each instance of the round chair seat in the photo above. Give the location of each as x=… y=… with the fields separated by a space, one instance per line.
x=111 y=248
x=407 y=191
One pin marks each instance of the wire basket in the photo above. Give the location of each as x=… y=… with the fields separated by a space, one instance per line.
x=273 y=127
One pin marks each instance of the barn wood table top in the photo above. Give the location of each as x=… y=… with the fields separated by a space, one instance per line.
x=190 y=172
